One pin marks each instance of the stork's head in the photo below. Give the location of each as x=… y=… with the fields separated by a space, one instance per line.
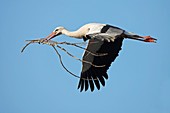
x=57 y=31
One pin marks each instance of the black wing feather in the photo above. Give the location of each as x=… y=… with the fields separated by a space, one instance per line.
x=86 y=84
x=99 y=73
x=112 y=48
x=91 y=83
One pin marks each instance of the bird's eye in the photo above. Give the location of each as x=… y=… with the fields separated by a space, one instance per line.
x=56 y=30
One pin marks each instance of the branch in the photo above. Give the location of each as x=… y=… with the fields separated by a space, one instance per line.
x=61 y=62
x=78 y=58
x=75 y=44
x=53 y=44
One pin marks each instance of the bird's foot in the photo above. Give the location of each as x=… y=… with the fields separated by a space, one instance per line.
x=149 y=39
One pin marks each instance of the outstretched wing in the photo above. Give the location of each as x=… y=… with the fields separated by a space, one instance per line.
x=92 y=75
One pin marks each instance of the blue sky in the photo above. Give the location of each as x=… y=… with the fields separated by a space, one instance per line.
x=35 y=82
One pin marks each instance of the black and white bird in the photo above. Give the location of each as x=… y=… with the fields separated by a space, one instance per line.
x=103 y=38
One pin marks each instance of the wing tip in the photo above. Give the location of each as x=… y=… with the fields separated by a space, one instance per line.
x=85 y=84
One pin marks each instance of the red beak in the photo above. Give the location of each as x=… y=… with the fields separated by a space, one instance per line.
x=52 y=35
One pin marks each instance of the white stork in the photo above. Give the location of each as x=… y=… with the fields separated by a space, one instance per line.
x=103 y=38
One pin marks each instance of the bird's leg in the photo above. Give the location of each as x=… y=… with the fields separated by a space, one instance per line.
x=142 y=38
x=134 y=36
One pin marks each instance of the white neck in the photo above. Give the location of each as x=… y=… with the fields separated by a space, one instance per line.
x=75 y=34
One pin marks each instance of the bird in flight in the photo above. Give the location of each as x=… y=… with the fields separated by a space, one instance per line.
x=103 y=38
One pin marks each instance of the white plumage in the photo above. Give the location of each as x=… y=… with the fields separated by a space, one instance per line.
x=103 y=38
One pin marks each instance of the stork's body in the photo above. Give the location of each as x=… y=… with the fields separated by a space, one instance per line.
x=103 y=38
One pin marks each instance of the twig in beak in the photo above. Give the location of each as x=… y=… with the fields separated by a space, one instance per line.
x=53 y=44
